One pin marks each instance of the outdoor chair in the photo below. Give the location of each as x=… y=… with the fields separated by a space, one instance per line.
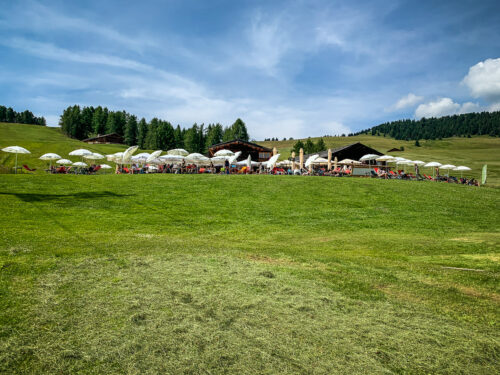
x=28 y=168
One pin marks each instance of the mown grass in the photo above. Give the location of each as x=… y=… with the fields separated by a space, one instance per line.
x=247 y=274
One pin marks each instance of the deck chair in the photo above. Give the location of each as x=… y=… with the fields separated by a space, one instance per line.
x=28 y=168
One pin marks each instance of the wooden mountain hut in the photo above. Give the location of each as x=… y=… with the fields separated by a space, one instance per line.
x=257 y=152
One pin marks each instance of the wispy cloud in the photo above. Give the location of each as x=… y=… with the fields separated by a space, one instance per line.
x=407 y=101
x=37 y=17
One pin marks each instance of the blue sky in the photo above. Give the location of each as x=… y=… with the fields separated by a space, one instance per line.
x=287 y=68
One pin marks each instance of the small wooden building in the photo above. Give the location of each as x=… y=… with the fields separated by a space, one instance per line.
x=112 y=138
x=257 y=152
x=353 y=151
x=394 y=150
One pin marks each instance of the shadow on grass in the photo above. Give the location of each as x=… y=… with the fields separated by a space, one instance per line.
x=36 y=197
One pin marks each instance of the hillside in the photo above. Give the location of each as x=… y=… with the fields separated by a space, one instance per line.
x=473 y=152
x=40 y=140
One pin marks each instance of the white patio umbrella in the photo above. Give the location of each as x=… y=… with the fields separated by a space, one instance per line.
x=320 y=161
x=198 y=159
x=178 y=152
x=94 y=156
x=369 y=157
x=218 y=160
x=171 y=158
x=105 y=166
x=384 y=158
x=64 y=162
x=245 y=163
x=80 y=164
x=234 y=158
x=461 y=168
x=224 y=152
x=310 y=159
x=433 y=165
x=140 y=159
x=285 y=163
x=80 y=152
x=418 y=162
x=349 y=161
x=127 y=154
x=270 y=163
x=49 y=157
x=153 y=156
x=448 y=167
x=16 y=150
x=249 y=163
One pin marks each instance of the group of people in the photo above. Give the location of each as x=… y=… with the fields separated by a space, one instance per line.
x=92 y=169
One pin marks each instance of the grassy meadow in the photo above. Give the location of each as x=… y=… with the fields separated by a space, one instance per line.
x=150 y=274
x=212 y=274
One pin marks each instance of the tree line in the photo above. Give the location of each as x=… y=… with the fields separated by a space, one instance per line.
x=465 y=125
x=309 y=146
x=7 y=114
x=86 y=122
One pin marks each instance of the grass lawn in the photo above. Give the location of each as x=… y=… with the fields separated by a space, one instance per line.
x=150 y=274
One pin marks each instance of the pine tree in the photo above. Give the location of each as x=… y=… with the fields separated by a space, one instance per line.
x=309 y=147
x=240 y=130
x=142 y=133
x=320 y=145
x=179 y=137
x=131 y=131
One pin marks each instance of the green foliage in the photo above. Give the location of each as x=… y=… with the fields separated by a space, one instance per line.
x=297 y=146
x=131 y=131
x=309 y=147
x=444 y=127
x=320 y=145
x=214 y=135
x=158 y=134
x=99 y=120
x=25 y=117
x=142 y=132
x=239 y=130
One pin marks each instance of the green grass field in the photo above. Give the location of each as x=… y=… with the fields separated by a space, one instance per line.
x=210 y=274
x=247 y=274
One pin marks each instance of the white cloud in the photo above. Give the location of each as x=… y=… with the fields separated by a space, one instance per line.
x=445 y=107
x=483 y=80
x=470 y=107
x=438 y=108
x=407 y=101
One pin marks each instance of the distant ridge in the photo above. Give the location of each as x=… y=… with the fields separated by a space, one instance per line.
x=468 y=124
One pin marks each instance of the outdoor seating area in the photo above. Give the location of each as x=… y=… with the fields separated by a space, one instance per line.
x=224 y=161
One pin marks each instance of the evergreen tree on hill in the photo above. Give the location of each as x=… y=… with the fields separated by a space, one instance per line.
x=142 y=132
x=320 y=145
x=309 y=147
x=297 y=146
x=131 y=131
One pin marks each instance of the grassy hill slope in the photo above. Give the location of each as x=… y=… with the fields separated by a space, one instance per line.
x=473 y=152
x=150 y=274
x=40 y=140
